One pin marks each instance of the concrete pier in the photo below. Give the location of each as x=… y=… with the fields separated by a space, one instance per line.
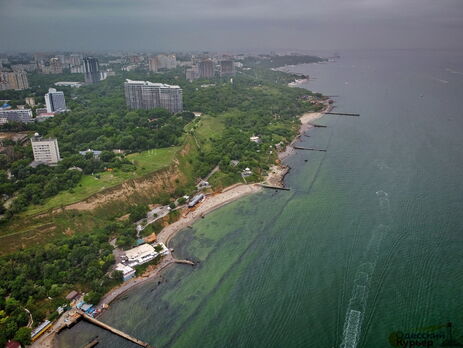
x=274 y=187
x=342 y=114
x=115 y=331
x=309 y=148
x=185 y=262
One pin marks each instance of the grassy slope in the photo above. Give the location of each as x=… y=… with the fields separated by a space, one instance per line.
x=146 y=162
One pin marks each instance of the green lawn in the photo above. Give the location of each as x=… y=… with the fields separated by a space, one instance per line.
x=146 y=162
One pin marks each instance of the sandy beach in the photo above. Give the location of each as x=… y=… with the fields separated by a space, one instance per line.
x=212 y=202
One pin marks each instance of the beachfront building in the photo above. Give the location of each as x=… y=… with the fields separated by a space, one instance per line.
x=140 y=255
x=148 y=95
x=46 y=151
x=127 y=271
x=195 y=200
x=54 y=101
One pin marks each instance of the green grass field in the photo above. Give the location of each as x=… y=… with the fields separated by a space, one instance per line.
x=146 y=162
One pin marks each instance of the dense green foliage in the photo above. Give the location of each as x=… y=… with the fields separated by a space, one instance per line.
x=255 y=102
x=99 y=120
x=38 y=278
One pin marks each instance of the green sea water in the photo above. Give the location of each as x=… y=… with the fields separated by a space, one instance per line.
x=367 y=243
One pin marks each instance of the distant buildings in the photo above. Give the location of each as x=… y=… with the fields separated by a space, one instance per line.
x=206 y=69
x=13 y=80
x=17 y=115
x=227 y=68
x=192 y=73
x=45 y=150
x=91 y=70
x=162 y=61
x=153 y=64
x=148 y=95
x=56 y=66
x=54 y=100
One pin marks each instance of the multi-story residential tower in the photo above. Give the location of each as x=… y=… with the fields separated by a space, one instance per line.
x=227 y=68
x=148 y=95
x=14 y=80
x=153 y=64
x=45 y=150
x=206 y=69
x=54 y=100
x=91 y=70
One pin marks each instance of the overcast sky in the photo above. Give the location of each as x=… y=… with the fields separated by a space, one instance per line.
x=175 y=25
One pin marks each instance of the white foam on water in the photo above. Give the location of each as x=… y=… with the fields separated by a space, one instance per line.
x=358 y=300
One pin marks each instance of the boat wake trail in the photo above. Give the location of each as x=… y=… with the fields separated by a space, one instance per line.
x=358 y=300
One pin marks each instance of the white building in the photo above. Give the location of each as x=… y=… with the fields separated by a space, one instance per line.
x=148 y=95
x=139 y=255
x=68 y=84
x=45 y=150
x=54 y=100
x=127 y=272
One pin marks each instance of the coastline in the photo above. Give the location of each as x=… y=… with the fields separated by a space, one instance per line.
x=215 y=201
x=275 y=177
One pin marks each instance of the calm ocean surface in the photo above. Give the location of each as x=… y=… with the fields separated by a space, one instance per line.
x=368 y=242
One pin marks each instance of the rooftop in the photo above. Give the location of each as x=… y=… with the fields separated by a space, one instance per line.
x=148 y=83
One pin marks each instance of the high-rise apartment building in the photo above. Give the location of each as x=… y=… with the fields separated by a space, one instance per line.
x=153 y=64
x=45 y=150
x=91 y=70
x=227 y=68
x=13 y=80
x=54 y=100
x=206 y=69
x=148 y=95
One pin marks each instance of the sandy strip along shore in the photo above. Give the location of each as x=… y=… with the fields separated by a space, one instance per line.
x=212 y=202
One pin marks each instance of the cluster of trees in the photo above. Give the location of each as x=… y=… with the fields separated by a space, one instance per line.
x=99 y=120
x=253 y=105
x=37 y=279
x=33 y=185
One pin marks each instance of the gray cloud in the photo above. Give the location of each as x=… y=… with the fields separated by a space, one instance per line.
x=220 y=24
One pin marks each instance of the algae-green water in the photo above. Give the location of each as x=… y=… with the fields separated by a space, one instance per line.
x=367 y=246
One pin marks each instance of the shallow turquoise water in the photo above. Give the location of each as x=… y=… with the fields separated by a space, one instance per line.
x=367 y=242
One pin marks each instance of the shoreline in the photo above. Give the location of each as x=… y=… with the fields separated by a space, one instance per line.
x=215 y=201
x=275 y=177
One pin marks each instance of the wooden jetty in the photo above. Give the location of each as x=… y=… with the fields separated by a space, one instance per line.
x=309 y=148
x=274 y=187
x=342 y=114
x=318 y=125
x=115 y=331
